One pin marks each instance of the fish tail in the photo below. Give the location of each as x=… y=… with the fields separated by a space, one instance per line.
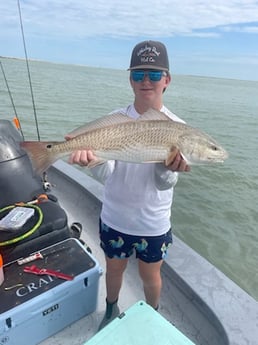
x=40 y=154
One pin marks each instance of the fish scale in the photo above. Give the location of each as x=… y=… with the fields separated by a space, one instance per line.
x=147 y=139
x=129 y=142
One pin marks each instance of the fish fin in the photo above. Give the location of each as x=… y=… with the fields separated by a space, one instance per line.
x=154 y=161
x=115 y=118
x=95 y=163
x=153 y=114
x=104 y=121
x=39 y=153
x=185 y=159
x=172 y=155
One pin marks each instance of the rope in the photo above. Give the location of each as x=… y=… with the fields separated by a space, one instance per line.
x=29 y=232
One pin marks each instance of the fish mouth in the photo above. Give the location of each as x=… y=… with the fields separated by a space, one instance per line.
x=217 y=159
x=224 y=155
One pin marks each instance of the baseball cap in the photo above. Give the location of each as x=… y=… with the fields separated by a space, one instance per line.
x=149 y=54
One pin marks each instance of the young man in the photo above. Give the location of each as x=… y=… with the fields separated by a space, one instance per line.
x=136 y=210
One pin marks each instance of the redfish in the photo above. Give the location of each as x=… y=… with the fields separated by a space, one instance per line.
x=150 y=138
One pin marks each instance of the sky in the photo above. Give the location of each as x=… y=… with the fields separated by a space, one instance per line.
x=216 y=38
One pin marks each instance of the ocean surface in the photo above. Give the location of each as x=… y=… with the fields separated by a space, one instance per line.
x=215 y=209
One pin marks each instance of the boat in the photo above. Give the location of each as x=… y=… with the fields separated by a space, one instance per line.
x=198 y=299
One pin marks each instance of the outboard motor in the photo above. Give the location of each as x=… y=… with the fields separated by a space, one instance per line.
x=18 y=182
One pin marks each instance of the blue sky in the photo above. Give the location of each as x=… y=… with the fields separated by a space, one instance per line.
x=203 y=37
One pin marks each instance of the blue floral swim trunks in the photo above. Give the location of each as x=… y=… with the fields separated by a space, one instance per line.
x=119 y=245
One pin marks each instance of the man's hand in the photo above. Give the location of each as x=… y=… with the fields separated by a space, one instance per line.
x=82 y=157
x=175 y=162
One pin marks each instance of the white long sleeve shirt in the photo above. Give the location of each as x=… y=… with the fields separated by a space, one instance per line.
x=137 y=197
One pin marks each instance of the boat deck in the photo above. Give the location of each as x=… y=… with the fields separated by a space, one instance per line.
x=198 y=315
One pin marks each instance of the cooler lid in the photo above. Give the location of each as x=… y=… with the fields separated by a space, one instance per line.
x=68 y=257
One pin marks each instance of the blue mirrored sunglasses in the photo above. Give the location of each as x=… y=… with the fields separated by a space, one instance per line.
x=139 y=75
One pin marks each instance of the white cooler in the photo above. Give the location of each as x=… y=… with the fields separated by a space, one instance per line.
x=34 y=307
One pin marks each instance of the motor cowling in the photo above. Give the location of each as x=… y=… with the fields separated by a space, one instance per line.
x=18 y=181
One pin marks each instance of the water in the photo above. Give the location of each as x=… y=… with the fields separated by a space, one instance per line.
x=215 y=208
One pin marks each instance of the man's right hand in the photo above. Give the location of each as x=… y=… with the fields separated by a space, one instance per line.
x=82 y=157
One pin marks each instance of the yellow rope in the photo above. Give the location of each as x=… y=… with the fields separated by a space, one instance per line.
x=28 y=233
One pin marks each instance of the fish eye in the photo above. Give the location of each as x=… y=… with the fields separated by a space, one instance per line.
x=49 y=146
x=214 y=147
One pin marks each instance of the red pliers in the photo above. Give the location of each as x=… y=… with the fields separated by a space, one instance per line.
x=41 y=271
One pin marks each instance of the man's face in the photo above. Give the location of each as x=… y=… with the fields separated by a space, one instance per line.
x=148 y=85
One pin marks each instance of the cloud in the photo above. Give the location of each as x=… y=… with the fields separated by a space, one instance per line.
x=225 y=60
x=200 y=34
x=250 y=29
x=116 y=18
